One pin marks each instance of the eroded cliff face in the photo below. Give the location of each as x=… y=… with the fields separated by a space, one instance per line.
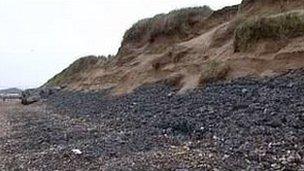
x=206 y=47
x=253 y=7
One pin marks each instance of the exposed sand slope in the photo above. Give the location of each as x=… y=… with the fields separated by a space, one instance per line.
x=199 y=58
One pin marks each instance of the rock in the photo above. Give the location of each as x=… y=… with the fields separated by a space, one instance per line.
x=252 y=130
x=77 y=151
x=225 y=157
x=31 y=96
x=244 y=90
x=276 y=166
x=170 y=94
x=275 y=123
x=290 y=85
x=33 y=99
x=181 y=169
x=45 y=92
x=294 y=158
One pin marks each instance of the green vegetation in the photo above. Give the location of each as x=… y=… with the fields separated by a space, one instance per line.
x=177 y=21
x=280 y=26
x=75 y=69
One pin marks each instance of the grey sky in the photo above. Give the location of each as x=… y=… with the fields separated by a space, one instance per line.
x=39 y=38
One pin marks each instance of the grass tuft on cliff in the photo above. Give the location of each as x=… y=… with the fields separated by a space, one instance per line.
x=275 y=27
x=75 y=69
x=178 y=21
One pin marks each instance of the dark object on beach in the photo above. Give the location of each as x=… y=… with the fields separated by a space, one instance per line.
x=31 y=96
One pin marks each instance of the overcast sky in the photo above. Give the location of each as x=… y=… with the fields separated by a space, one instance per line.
x=39 y=38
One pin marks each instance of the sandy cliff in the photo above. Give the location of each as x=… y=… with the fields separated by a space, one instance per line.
x=190 y=47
